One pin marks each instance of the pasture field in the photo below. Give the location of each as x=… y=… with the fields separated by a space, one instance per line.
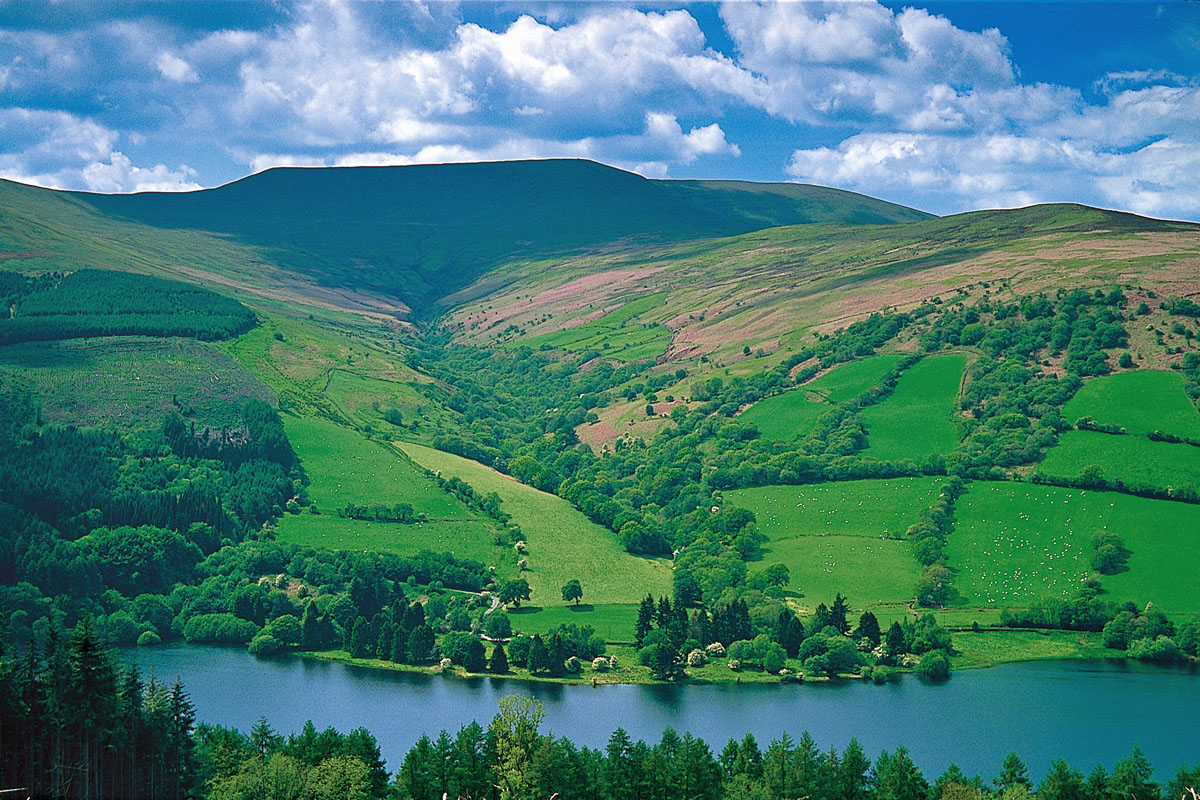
x=1141 y=402
x=871 y=508
x=615 y=334
x=1015 y=543
x=615 y=622
x=988 y=648
x=918 y=419
x=130 y=381
x=346 y=467
x=1133 y=459
x=795 y=412
x=563 y=544
x=869 y=572
x=365 y=398
x=466 y=538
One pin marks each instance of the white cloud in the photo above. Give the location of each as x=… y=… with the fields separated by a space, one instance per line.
x=65 y=151
x=935 y=114
x=946 y=174
x=174 y=68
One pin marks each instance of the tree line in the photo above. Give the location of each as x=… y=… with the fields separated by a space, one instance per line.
x=90 y=302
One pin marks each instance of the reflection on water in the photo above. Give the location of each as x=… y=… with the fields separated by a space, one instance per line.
x=1084 y=711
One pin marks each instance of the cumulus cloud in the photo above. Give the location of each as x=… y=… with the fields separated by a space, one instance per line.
x=907 y=104
x=946 y=174
x=64 y=151
x=174 y=68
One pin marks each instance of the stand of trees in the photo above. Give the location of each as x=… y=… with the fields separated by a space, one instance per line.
x=92 y=302
x=74 y=723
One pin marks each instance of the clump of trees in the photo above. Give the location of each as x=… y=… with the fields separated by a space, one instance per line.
x=91 y=302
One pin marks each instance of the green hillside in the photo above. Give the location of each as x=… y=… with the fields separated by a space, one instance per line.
x=684 y=390
x=422 y=232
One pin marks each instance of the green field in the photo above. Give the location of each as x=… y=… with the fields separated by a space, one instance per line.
x=1141 y=402
x=615 y=334
x=988 y=648
x=467 y=538
x=875 y=508
x=614 y=622
x=918 y=419
x=1015 y=543
x=868 y=572
x=833 y=537
x=346 y=467
x=563 y=543
x=1133 y=459
x=129 y=381
x=795 y=412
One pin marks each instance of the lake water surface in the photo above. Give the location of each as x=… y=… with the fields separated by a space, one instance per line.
x=1084 y=711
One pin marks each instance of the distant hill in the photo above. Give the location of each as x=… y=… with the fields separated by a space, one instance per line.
x=420 y=233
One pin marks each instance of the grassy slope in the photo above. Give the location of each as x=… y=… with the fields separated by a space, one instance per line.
x=563 y=544
x=831 y=537
x=872 y=508
x=47 y=230
x=917 y=419
x=1132 y=458
x=420 y=232
x=344 y=467
x=131 y=381
x=612 y=334
x=771 y=287
x=614 y=622
x=795 y=412
x=1014 y=543
x=1141 y=402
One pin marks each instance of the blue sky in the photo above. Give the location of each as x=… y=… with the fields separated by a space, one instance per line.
x=948 y=106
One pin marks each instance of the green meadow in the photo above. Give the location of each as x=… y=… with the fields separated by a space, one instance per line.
x=614 y=334
x=465 y=538
x=1141 y=402
x=133 y=381
x=1133 y=459
x=1014 y=543
x=873 y=508
x=868 y=572
x=918 y=418
x=841 y=537
x=795 y=412
x=563 y=544
x=615 y=622
x=346 y=467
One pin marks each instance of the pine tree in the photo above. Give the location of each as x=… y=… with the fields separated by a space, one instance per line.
x=1131 y=778
x=399 y=654
x=1062 y=783
x=420 y=644
x=1013 y=772
x=360 y=645
x=838 y=614
x=537 y=659
x=310 y=627
x=852 y=773
x=498 y=662
x=645 y=621
x=383 y=645
x=868 y=628
x=263 y=737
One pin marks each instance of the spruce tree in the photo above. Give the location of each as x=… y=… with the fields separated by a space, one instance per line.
x=498 y=663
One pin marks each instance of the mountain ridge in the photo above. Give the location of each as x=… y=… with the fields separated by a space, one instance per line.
x=422 y=232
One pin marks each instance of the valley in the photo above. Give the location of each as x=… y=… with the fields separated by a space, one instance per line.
x=669 y=420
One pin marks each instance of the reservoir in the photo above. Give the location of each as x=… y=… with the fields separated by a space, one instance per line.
x=1087 y=712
